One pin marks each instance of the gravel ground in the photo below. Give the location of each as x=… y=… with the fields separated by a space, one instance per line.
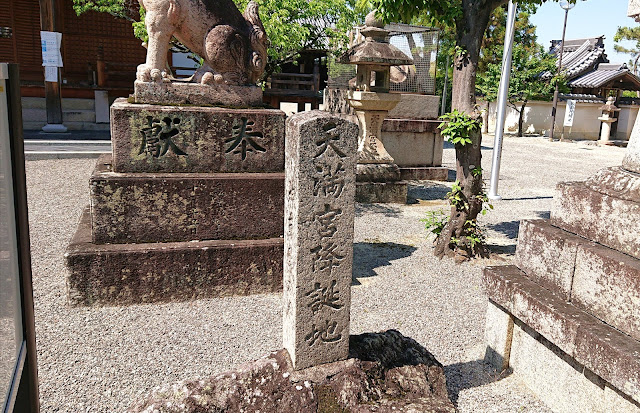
x=100 y=359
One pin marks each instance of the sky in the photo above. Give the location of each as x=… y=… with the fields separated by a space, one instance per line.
x=590 y=18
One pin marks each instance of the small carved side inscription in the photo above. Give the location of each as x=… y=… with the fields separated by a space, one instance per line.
x=326 y=331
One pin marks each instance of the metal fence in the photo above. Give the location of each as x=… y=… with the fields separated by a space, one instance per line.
x=418 y=42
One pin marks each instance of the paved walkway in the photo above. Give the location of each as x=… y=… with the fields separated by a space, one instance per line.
x=100 y=359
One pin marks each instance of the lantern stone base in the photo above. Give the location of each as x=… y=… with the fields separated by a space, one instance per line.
x=381 y=192
x=427 y=173
x=380 y=183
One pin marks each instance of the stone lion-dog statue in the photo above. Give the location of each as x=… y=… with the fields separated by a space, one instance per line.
x=233 y=45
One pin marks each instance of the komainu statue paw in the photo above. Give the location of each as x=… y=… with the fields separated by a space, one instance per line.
x=210 y=78
x=156 y=75
x=143 y=74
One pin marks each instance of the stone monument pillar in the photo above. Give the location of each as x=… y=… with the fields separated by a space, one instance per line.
x=190 y=204
x=319 y=213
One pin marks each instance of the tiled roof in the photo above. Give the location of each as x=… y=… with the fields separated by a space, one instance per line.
x=604 y=74
x=581 y=98
x=579 y=56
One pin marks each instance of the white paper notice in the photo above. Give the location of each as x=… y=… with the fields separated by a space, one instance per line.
x=51 y=42
x=51 y=73
x=569 y=113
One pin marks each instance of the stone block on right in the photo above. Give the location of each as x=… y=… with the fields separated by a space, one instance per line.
x=606 y=219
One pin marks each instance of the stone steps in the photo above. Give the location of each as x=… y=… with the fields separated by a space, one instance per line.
x=598 y=216
x=67 y=103
x=77 y=114
x=597 y=279
x=604 y=350
x=116 y=274
x=569 y=311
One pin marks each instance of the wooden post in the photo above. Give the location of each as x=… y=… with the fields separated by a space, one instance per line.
x=51 y=89
x=101 y=68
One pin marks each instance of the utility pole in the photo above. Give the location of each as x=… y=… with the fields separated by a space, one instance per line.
x=566 y=6
x=443 y=107
x=503 y=90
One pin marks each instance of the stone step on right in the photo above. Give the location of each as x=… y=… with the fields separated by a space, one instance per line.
x=597 y=279
x=594 y=351
x=604 y=209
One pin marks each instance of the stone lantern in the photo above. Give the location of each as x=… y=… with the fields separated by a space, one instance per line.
x=607 y=118
x=377 y=175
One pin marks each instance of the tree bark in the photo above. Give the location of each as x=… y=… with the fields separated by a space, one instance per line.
x=521 y=118
x=470 y=30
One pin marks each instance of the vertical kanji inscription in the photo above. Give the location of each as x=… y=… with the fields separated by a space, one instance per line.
x=319 y=206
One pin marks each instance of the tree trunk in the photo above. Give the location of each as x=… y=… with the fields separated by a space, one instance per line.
x=470 y=30
x=521 y=118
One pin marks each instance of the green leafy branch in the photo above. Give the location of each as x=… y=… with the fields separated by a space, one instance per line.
x=458 y=127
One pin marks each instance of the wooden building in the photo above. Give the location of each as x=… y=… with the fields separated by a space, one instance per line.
x=86 y=40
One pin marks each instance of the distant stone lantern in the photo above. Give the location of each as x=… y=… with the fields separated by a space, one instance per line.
x=607 y=118
x=372 y=101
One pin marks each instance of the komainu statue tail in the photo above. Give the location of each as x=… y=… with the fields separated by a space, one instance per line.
x=259 y=43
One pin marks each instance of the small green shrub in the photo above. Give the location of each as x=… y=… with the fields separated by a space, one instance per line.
x=473 y=236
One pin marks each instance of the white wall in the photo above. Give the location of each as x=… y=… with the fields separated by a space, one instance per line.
x=586 y=125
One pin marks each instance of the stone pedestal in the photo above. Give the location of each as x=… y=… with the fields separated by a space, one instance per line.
x=183 y=93
x=409 y=133
x=190 y=205
x=415 y=145
x=565 y=317
x=378 y=175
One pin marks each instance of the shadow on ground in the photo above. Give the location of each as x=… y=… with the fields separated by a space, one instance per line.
x=387 y=210
x=543 y=214
x=508 y=228
x=470 y=374
x=530 y=198
x=427 y=192
x=367 y=256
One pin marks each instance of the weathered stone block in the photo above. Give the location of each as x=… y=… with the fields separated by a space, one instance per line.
x=385 y=372
x=616 y=182
x=145 y=207
x=153 y=138
x=319 y=213
x=612 y=355
x=180 y=93
x=547 y=255
x=607 y=284
x=382 y=192
x=427 y=173
x=498 y=333
x=558 y=380
x=114 y=274
x=500 y=284
x=413 y=142
x=561 y=337
x=608 y=220
x=416 y=106
x=537 y=307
